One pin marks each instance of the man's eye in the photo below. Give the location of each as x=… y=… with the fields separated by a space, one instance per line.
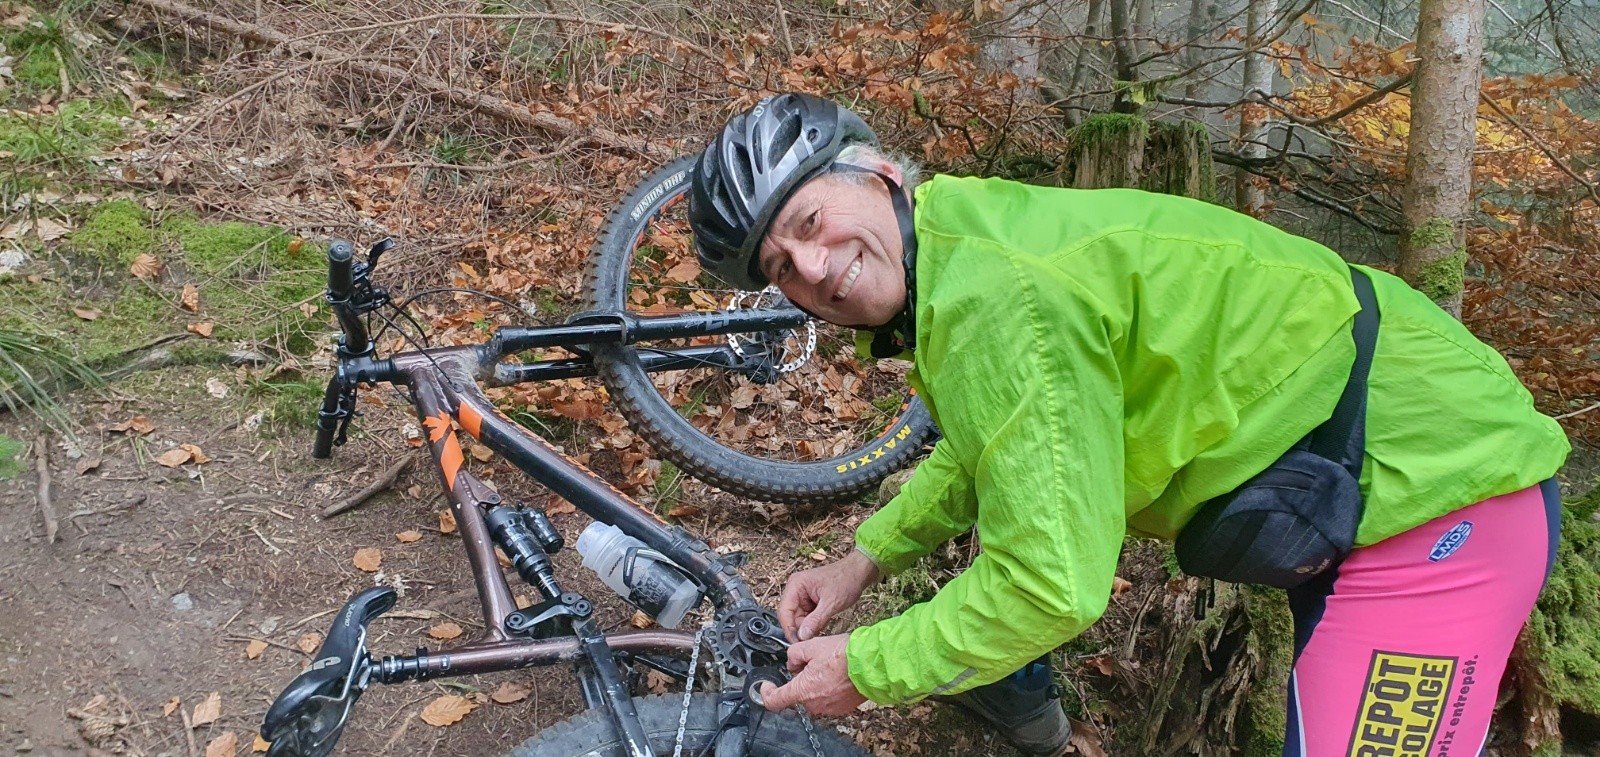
x=783 y=270
x=811 y=220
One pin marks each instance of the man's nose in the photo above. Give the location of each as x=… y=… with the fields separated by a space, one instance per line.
x=810 y=262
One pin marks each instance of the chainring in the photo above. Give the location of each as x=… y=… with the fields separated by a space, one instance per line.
x=743 y=640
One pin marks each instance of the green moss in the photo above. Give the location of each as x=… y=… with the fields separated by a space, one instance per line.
x=1433 y=232
x=37 y=69
x=897 y=593
x=1272 y=634
x=1567 y=618
x=76 y=130
x=1443 y=278
x=115 y=232
x=291 y=405
x=10 y=457
x=1103 y=126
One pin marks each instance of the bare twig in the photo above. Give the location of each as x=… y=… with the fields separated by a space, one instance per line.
x=217 y=107
x=1564 y=416
x=559 y=150
x=41 y=450
x=399 y=123
x=491 y=106
x=687 y=45
x=188 y=731
x=61 y=68
x=383 y=483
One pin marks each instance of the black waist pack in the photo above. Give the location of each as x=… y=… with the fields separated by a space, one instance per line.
x=1298 y=517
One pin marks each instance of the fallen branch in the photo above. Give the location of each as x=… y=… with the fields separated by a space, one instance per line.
x=1564 y=416
x=41 y=449
x=383 y=483
x=493 y=107
x=508 y=17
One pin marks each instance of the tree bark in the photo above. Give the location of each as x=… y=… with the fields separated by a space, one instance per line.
x=1122 y=57
x=1015 y=44
x=1253 y=124
x=1438 y=186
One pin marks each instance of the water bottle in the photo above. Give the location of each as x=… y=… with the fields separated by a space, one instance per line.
x=644 y=577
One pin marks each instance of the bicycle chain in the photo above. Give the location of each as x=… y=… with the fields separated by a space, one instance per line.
x=688 y=687
x=805 y=721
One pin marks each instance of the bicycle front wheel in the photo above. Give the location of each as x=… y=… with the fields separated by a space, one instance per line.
x=830 y=427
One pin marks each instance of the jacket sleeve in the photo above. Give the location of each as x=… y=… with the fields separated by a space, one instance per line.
x=936 y=505
x=1032 y=402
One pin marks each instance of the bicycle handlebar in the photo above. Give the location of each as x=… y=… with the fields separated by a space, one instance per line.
x=341 y=286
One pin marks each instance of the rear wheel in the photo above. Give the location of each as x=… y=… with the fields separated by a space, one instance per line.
x=832 y=424
x=592 y=734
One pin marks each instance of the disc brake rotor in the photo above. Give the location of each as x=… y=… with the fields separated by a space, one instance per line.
x=788 y=349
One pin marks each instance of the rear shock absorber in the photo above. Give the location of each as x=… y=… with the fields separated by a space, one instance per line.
x=528 y=538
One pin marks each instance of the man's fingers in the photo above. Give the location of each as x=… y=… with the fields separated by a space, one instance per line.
x=776 y=698
x=816 y=621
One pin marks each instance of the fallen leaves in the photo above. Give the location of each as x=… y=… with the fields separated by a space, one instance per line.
x=225 y=745
x=203 y=328
x=407 y=537
x=511 y=692
x=308 y=642
x=260 y=745
x=447 y=710
x=138 y=424
x=368 y=559
x=49 y=230
x=183 y=453
x=1120 y=586
x=207 y=711
x=170 y=707
x=87 y=314
x=445 y=631
x=216 y=387
x=190 y=299
x=254 y=649
x=447 y=522
x=145 y=266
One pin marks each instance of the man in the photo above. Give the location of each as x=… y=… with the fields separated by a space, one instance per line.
x=1109 y=362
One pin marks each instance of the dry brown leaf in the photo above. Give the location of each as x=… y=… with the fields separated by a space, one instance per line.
x=87 y=464
x=481 y=453
x=684 y=272
x=406 y=537
x=138 y=424
x=203 y=328
x=1120 y=586
x=447 y=522
x=260 y=745
x=445 y=631
x=190 y=299
x=207 y=711
x=49 y=230
x=657 y=681
x=368 y=559
x=523 y=602
x=509 y=692
x=145 y=266
x=195 y=455
x=684 y=511
x=225 y=745
x=295 y=246
x=170 y=707
x=641 y=620
x=559 y=506
x=413 y=491
x=1103 y=663
x=175 y=457
x=308 y=642
x=308 y=309
x=1086 y=740
x=254 y=648
x=87 y=314
x=447 y=710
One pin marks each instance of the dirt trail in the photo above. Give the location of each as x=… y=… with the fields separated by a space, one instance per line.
x=162 y=576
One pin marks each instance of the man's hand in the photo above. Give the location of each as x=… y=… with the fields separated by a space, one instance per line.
x=813 y=597
x=822 y=679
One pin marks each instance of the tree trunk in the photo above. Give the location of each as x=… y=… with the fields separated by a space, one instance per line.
x=1086 y=47
x=1253 y=124
x=1444 y=107
x=1015 y=44
x=1201 y=29
x=1122 y=57
x=1108 y=150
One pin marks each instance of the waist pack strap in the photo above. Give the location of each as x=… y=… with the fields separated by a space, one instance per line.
x=1342 y=438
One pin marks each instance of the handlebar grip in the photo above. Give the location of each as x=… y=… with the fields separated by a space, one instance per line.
x=340 y=257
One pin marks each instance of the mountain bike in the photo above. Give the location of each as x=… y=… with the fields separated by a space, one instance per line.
x=721 y=357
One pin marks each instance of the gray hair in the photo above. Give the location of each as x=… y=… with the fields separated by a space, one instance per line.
x=864 y=155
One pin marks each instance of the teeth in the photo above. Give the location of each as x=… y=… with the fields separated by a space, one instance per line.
x=849 y=280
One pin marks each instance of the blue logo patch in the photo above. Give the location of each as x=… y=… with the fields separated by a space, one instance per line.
x=1451 y=541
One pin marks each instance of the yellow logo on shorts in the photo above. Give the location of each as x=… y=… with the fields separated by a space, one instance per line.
x=1402 y=706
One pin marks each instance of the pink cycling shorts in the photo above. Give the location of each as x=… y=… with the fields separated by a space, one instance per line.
x=1400 y=650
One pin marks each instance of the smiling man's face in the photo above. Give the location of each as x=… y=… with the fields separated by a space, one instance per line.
x=835 y=250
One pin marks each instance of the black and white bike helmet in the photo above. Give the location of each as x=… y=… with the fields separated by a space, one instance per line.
x=748 y=172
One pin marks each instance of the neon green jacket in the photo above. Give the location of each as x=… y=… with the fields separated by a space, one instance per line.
x=1101 y=362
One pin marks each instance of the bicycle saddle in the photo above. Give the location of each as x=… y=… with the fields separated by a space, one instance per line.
x=307 y=718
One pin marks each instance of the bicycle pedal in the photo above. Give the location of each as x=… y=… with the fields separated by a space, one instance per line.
x=307 y=718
